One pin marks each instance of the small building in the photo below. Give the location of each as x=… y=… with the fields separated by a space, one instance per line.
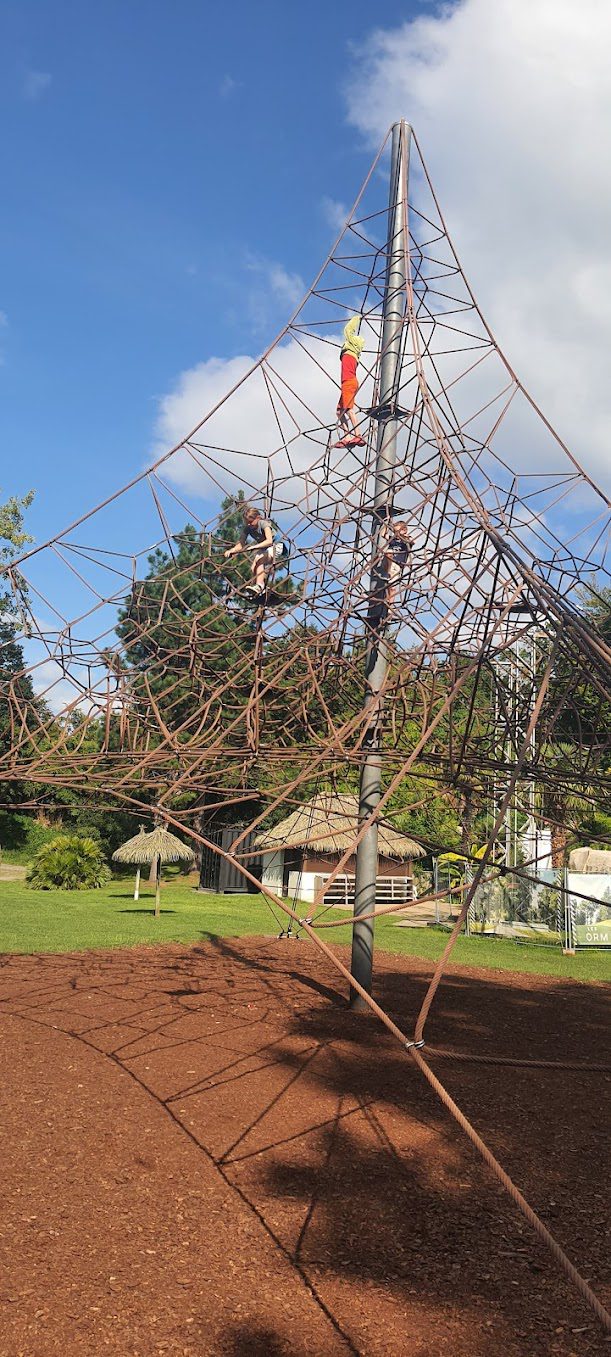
x=299 y=854
x=220 y=875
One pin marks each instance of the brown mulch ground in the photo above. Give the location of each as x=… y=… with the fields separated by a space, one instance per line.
x=205 y=1153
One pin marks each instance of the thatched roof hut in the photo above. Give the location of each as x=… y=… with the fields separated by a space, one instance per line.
x=301 y=852
x=158 y=846
x=590 y=860
x=328 y=824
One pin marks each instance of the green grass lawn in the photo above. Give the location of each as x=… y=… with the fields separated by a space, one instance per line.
x=68 y=921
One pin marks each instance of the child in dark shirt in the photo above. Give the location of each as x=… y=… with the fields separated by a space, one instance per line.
x=396 y=551
x=266 y=550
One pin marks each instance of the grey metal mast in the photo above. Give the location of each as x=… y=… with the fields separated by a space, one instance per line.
x=376 y=660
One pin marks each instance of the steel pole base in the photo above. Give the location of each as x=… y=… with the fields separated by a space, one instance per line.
x=356 y=1002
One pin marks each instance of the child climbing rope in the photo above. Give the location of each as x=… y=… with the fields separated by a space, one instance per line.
x=350 y=353
x=267 y=551
x=396 y=548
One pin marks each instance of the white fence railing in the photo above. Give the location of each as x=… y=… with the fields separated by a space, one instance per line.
x=390 y=890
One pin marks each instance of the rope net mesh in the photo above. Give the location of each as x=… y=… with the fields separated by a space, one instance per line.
x=155 y=682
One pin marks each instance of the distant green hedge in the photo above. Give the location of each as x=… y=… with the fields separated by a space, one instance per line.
x=21 y=836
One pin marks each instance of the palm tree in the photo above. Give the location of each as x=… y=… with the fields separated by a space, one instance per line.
x=562 y=805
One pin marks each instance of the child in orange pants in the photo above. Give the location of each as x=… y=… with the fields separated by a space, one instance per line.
x=351 y=350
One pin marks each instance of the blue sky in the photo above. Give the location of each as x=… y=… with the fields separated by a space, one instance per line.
x=170 y=175
x=160 y=159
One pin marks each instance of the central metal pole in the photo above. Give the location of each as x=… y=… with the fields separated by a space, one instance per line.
x=376 y=659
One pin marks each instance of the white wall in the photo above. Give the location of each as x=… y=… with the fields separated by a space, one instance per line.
x=273 y=868
x=301 y=886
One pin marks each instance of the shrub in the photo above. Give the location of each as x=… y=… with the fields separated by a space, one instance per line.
x=69 y=862
x=21 y=836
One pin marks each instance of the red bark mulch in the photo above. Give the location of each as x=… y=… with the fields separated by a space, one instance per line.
x=205 y=1153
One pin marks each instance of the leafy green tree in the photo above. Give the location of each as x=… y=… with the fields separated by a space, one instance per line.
x=12 y=680
x=69 y=862
x=426 y=810
x=110 y=828
x=12 y=534
x=178 y=636
x=16 y=691
x=574 y=740
x=192 y=663
x=567 y=807
x=15 y=685
x=585 y=714
x=596 y=604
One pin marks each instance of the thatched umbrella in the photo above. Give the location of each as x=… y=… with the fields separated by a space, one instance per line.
x=158 y=846
x=130 y=852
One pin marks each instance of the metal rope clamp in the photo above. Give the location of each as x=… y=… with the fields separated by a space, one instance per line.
x=415 y=1044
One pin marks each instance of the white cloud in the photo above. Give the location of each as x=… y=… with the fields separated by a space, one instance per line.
x=246 y=427
x=228 y=86
x=511 y=102
x=275 y=290
x=34 y=85
x=287 y=287
x=334 y=212
x=52 y=682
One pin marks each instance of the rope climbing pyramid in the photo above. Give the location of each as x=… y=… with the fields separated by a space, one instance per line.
x=302 y=593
